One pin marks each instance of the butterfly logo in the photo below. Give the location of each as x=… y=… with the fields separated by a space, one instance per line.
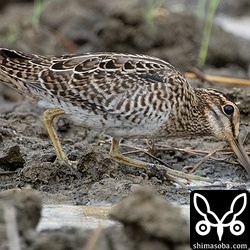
x=210 y=219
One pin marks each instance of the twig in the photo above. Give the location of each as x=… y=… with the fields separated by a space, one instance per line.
x=133 y=151
x=200 y=152
x=8 y=172
x=225 y=151
x=141 y=150
x=189 y=151
x=196 y=166
x=197 y=74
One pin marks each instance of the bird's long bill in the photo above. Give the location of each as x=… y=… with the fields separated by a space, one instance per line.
x=238 y=149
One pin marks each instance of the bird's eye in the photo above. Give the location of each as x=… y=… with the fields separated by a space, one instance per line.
x=228 y=109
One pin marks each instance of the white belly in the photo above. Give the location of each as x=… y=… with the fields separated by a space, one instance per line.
x=112 y=125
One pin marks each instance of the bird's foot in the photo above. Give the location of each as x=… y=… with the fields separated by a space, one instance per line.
x=164 y=171
x=65 y=161
x=70 y=165
x=174 y=175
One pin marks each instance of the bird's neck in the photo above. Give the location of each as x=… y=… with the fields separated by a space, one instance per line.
x=189 y=117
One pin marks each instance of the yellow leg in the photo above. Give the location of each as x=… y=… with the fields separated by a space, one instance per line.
x=119 y=158
x=48 y=117
x=171 y=174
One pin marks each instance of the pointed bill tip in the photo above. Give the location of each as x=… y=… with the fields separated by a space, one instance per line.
x=238 y=149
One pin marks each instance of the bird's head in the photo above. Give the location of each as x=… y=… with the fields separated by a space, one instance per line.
x=224 y=119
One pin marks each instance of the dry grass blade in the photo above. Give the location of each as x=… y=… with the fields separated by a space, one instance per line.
x=221 y=79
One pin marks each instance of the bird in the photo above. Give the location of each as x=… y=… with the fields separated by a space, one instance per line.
x=123 y=96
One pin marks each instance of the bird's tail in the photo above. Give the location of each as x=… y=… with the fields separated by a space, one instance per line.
x=18 y=69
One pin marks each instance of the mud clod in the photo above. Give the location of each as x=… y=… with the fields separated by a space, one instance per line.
x=11 y=158
x=20 y=211
x=97 y=163
x=146 y=213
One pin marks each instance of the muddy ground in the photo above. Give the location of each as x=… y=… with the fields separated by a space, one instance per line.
x=27 y=156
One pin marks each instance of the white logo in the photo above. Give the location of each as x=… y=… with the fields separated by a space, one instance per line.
x=236 y=227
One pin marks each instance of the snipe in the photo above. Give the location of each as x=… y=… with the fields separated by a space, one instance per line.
x=124 y=96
